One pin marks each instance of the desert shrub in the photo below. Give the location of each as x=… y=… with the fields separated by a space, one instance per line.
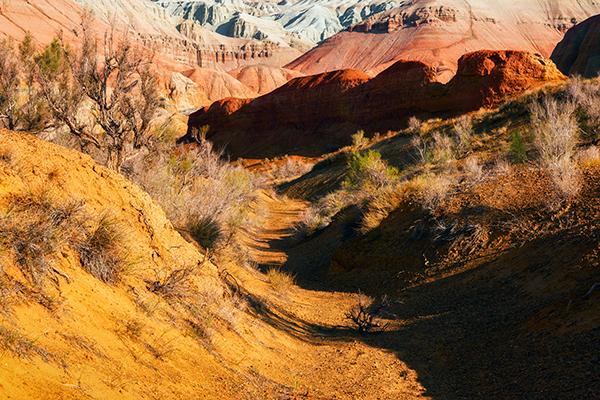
x=585 y=94
x=102 y=251
x=366 y=314
x=502 y=167
x=359 y=141
x=433 y=190
x=290 y=169
x=463 y=129
x=175 y=285
x=321 y=213
x=367 y=171
x=206 y=231
x=201 y=193
x=473 y=169
x=35 y=228
x=518 y=152
x=415 y=125
x=421 y=148
x=556 y=137
x=441 y=150
x=280 y=280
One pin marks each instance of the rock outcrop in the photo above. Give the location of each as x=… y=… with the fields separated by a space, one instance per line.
x=313 y=115
x=438 y=32
x=579 y=52
x=263 y=79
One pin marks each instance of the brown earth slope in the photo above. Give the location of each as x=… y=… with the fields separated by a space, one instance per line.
x=317 y=114
x=438 y=32
x=492 y=292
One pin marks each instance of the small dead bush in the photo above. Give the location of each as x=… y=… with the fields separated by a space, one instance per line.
x=292 y=168
x=102 y=252
x=463 y=129
x=366 y=314
x=359 y=141
x=473 y=170
x=35 y=228
x=175 y=286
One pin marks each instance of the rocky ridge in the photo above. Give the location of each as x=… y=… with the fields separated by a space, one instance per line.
x=316 y=114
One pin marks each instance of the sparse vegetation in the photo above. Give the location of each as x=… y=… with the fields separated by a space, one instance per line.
x=102 y=251
x=35 y=228
x=367 y=171
x=280 y=280
x=518 y=152
x=175 y=285
x=13 y=341
x=366 y=314
x=556 y=137
x=202 y=193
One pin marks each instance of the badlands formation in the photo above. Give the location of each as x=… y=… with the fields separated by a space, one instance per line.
x=578 y=53
x=313 y=115
x=438 y=32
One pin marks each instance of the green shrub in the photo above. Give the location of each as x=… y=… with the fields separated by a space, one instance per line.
x=517 y=148
x=367 y=170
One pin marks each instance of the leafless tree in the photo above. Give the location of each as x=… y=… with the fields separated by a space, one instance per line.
x=118 y=83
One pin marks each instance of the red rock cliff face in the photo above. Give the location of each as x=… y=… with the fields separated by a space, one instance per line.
x=316 y=114
x=579 y=52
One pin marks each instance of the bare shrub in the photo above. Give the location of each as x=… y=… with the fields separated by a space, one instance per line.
x=102 y=251
x=366 y=314
x=292 y=168
x=433 y=190
x=502 y=167
x=280 y=280
x=35 y=228
x=120 y=69
x=463 y=128
x=441 y=150
x=415 y=125
x=421 y=147
x=174 y=286
x=556 y=138
x=473 y=170
x=585 y=94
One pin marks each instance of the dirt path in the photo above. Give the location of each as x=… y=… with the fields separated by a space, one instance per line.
x=337 y=363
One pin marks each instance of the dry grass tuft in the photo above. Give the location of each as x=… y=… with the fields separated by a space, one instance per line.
x=280 y=280
x=175 y=286
x=35 y=228
x=102 y=252
x=19 y=345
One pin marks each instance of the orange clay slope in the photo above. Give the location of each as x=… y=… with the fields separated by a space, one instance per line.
x=226 y=334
